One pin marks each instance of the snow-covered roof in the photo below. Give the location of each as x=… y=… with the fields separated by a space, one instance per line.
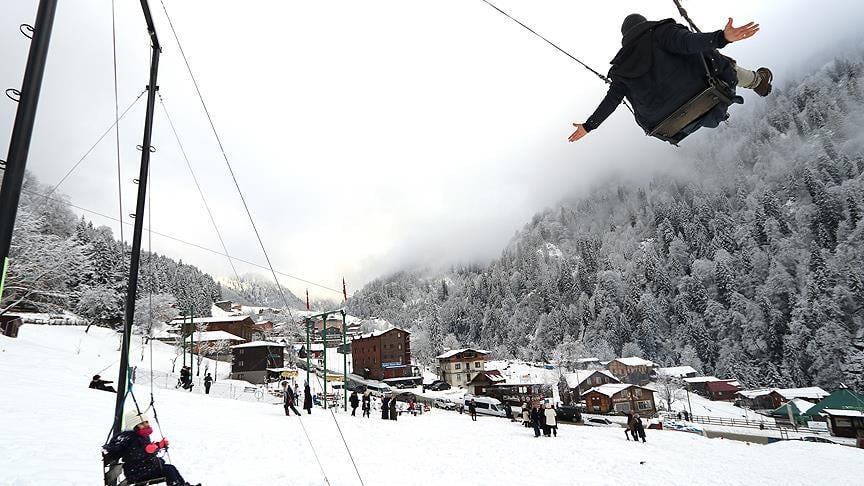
x=578 y=377
x=677 y=371
x=811 y=392
x=843 y=413
x=379 y=333
x=208 y=336
x=609 y=389
x=703 y=379
x=258 y=344
x=634 y=361
x=210 y=320
x=588 y=360
x=802 y=405
x=454 y=352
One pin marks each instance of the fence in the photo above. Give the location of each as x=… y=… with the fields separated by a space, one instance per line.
x=166 y=381
x=750 y=424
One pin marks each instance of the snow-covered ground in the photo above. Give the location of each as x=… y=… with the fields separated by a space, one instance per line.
x=53 y=427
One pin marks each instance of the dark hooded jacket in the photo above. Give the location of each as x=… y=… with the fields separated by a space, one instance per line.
x=659 y=69
x=307 y=398
x=138 y=464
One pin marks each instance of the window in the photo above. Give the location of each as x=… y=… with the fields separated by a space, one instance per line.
x=398 y=334
x=478 y=364
x=458 y=377
x=400 y=346
x=240 y=363
x=644 y=405
x=240 y=351
x=458 y=366
x=638 y=393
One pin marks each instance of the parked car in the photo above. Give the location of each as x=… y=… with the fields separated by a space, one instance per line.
x=569 y=413
x=485 y=405
x=439 y=385
x=600 y=422
x=823 y=440
x=444 y=403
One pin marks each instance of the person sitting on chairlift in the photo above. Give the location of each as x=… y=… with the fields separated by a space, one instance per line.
x=139 y=455
x=662 y=66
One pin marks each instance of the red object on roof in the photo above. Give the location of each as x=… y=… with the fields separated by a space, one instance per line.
x=720 y=386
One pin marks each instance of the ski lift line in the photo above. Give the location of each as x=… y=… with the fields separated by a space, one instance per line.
x=351 y=456
x=198 y=186
x=684 y=14
x=117 y=126
x=571 y=56
x=227 y=162
x=92 y=147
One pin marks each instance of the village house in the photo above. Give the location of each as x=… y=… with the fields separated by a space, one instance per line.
x=840 y=399
x=588 y=363
x=632 y=370
x=846 y=423
x=382 y=355
x=678 y=372
x=241 y=326
x=772 y=398
x=583 y=380
x=459 y=366
x=699 y=384
x=721 y=390
x=620 y=398
x=209 y=341
x=251 y=360
x=483 y=380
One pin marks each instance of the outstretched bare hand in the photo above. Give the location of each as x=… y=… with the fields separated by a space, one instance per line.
x=735 y=34
x=579 y=133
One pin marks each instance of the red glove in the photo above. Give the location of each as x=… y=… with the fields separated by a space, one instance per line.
x=163 y=443
x=151 y=448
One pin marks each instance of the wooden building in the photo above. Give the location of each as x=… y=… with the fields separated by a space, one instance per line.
x=721 y=390
x=242 y=326
x=620 y=398
x=518 y=393
x=208 y=341
x=382 y=354
x=251 y=360
x=845 y=423
x=459 y=366
x=583 y=380
x=483 y=380
x=772 y=398
x=632 y=370
x=9 y=325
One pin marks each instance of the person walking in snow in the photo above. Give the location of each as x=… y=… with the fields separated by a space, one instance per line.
x=535 y=420
x=526 y=415
x=289 y=400
x=639 y=428
x=354 y=400
x=208 y=381
x=367 y=404
x=385 y=407
x=307 y=399
x=631 y=427
x=393 y=412
x=551 y=420
x=472 y=409
x=139 y=454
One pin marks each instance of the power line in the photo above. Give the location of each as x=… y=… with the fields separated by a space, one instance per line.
x=179 y=240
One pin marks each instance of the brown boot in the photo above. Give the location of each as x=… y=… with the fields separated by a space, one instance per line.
x=765 y=78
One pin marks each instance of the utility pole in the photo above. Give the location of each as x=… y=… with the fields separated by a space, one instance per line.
x=324 y=335
x=22 y=131
x=344 y=366
x=191 y=340
x=690 y=406
x=308 y=349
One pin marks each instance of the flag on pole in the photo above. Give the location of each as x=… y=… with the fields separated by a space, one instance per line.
x=307 y=300
x=344 y=290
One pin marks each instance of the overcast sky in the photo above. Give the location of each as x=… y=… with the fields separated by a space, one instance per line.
x=366 y=136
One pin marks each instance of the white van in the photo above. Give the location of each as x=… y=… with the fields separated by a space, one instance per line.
x=485 y=405
x=377 y=388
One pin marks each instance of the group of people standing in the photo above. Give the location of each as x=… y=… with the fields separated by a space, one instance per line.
x=289 y=398
x=634 y=427
x=541 y=419
x=366 y=401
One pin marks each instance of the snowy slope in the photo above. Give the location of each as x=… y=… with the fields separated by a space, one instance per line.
x=53 y=427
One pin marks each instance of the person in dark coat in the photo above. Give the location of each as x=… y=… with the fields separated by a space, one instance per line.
x=208 y=381
x=367 y=404
x=630 y=429
x=289 y=400
x=354 y=400
x=139 y=454
x=639 y=428
x=535 y=420
x=385 y=407
x=472 y=409
x=394 y=414
x=659 y=68
x=97 y=383
x=307 y=399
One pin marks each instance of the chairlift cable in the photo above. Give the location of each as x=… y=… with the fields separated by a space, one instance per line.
x=198 y=186
x=571 y=56
x=117 y=130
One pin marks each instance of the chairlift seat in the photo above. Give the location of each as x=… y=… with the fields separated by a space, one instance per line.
x=113 y=475
x=671 y=128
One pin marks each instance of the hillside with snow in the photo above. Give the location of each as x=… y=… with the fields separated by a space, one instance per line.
x=53 y=427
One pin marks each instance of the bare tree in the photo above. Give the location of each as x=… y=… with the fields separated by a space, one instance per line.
x=668 y=388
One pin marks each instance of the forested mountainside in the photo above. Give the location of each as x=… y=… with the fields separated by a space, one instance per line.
x=59 y=262
x=751 y=266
